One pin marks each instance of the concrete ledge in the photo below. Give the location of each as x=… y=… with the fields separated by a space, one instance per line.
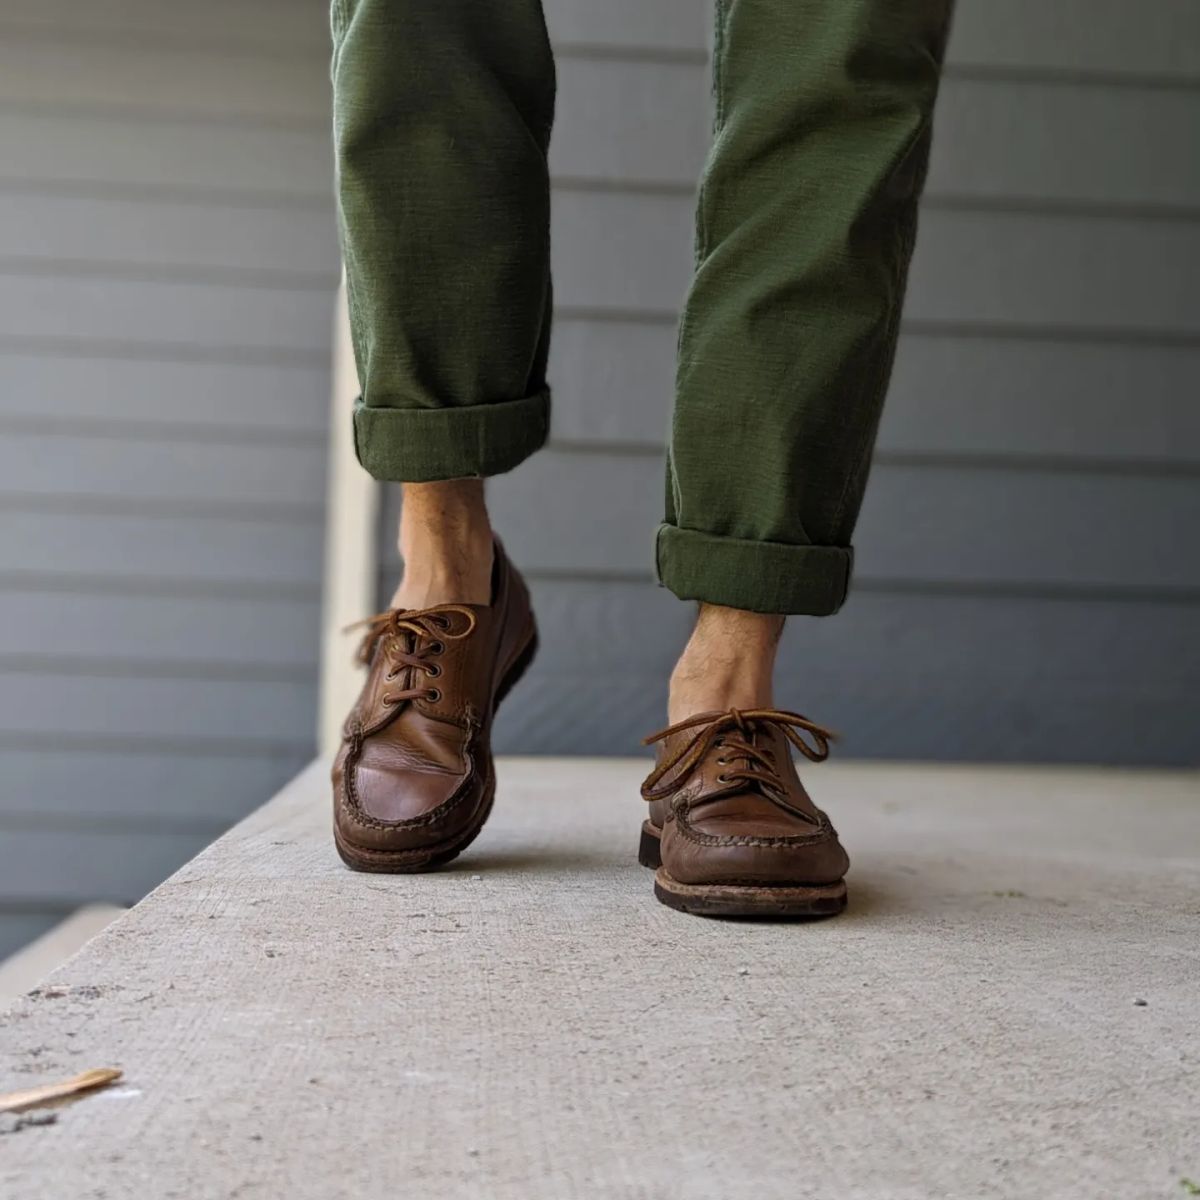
x=531 y=1025
x=31 y=964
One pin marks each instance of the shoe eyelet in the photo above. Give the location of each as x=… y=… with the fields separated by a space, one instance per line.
x=390 y=676
x=387 y=701
x=433 y=670
x=433 y=695
x=442 y=623
x=722 y=778
x=721 y=762
x=437 y=647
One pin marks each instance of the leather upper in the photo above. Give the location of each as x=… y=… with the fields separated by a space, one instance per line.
x=726 y=795
x=415 y=767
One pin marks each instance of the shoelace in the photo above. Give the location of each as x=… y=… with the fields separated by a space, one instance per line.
x=750 y=764
x=429 y=630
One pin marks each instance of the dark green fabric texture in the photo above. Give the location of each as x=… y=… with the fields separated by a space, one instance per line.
x=805 y=225
x=442 y=116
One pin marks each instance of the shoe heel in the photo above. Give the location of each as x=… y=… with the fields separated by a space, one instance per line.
x=519 y=666
x=649 y=850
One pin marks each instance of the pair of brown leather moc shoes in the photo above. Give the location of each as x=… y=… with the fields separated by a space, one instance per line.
x=731 y=831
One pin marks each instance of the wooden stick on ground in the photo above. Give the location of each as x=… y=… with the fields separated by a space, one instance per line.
x=35 y=1097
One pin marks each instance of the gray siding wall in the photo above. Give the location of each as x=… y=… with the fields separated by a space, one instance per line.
x=167 y=270
x=1029 y=570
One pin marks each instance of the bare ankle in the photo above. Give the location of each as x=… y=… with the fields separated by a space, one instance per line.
x=445 y=541
x=729 y=662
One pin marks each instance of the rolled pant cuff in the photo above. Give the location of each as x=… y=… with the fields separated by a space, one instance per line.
x=420 y=445
x=765 y=577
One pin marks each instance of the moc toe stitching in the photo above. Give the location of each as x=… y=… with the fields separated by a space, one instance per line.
x=824 y=833
x=352 y=804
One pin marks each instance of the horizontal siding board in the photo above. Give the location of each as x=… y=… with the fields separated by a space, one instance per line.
x=1049 y=142
x=634 y=122
x=175 y=471
x=647 y=122
x=119 y=786
x=283 y=24
x=127 y=234
x=248 y=633
x=626 y=253
x=243 y=712
x=154 y=394
x=950 y=526
x=49 y=867
x=664 y=25
x=1036 y=527
x=148 y=549
x=621 y=251
x=1001 y=397
x=903 y=676
x=614 y=381
x=1023 y=270
x=1152 y=37
x=75 y=148
x=172 y=314
x=177 y=78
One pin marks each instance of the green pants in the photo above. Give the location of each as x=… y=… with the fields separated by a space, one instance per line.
x=805 y=225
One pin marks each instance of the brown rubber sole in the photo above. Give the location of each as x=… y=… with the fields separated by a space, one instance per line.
x=429 y=858
x=414 y=862
x=787 y=902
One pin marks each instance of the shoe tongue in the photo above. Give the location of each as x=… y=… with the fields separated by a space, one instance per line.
x=753 y=734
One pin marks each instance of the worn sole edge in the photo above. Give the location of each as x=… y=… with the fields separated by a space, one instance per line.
x=413 y=862
x=737 y=900
x=427 y=858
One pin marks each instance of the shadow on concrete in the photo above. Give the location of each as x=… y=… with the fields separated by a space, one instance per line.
x=873 y=893
x=545 y=860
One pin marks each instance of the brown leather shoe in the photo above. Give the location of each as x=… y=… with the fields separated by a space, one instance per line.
x=414 y=780
x=731 y=831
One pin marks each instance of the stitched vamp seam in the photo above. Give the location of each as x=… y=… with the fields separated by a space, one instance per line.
x=352 y=802
x=823 y=833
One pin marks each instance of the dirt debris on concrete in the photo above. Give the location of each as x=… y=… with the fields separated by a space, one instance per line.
x=16 y=1122
x=84 y=991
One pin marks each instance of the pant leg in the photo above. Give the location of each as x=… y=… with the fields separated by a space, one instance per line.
x=806 y=221
x=442 y=116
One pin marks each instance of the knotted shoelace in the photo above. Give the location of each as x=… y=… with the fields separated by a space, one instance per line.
x=747 y=762
x=413 y=638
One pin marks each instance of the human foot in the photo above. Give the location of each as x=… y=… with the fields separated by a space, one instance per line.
x=446 y=543
x=729 y=662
